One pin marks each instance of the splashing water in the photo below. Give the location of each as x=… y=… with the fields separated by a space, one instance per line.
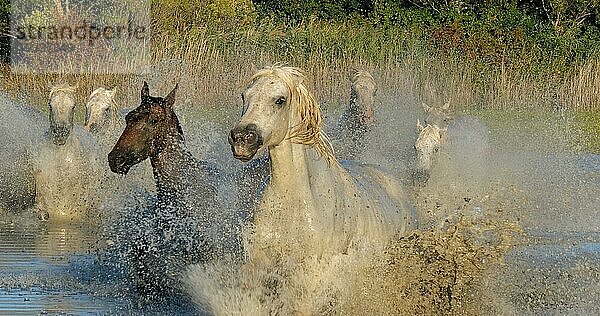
x=507 y=226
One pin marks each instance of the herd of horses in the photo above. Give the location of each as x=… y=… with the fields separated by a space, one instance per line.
x=294 y=196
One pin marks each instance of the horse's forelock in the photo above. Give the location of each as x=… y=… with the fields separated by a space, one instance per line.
x=63 y=87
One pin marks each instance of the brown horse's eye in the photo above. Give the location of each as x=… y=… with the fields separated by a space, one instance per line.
x=153 y=121
x=280 y=101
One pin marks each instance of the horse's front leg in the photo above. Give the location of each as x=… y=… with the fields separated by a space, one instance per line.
x=41 y=203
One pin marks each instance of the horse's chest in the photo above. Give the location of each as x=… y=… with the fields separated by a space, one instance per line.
x=283 y=221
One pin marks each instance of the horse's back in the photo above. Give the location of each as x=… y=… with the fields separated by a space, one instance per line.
x=386 y=194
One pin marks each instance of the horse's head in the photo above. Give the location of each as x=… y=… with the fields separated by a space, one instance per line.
x=435 y=116
x=277 y=106
x=427 y=144
x=100 y=109
x=362 y=97
x=62 y=109
x=149 y=128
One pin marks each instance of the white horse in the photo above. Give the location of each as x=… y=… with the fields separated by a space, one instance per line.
x=101 y=114
x=430 y=140
x=313 y=209
x=358 y=118
x=65 y=166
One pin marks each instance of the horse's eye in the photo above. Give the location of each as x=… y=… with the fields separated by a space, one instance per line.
x=280 y=101
x=153 y=121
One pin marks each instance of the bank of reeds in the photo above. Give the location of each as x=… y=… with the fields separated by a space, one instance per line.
x=212 y=62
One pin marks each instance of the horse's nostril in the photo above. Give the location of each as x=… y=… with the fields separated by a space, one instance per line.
x=250 y=137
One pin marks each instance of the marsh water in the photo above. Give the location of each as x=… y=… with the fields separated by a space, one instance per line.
x=535 y=182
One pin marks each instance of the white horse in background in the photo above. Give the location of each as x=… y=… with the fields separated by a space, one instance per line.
x=65 y=166
x=313 y=209
x=102 y=117
x=462 y=139
x=358 y=117
x=430 y=140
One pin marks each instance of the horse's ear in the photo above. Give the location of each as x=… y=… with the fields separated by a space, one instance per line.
x=170 y=98
x=446 y=106
x=426 y=107
x=145 y=91
x=351 y=72
x=419 y=126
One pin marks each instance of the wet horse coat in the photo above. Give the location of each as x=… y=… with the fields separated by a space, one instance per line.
x=65 y=166
x=188 y=223
x=312 y=206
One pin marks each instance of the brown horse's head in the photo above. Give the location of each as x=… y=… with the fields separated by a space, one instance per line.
x=150 y=127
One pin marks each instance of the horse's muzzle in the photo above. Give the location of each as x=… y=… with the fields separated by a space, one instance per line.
x=119 y=163
x=60 y=134
x=245 y=142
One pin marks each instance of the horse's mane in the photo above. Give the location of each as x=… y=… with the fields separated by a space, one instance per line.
x=63 y=87
x=310 y=129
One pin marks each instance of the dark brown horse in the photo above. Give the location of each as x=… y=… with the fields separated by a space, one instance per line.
x=187 y=224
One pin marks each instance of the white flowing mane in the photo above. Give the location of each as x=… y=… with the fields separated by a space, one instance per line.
x=310 y=130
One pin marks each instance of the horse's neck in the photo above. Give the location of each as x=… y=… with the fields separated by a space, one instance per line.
x=305 y=203
x=170 y=167
x=290 y=168
x=299 y=174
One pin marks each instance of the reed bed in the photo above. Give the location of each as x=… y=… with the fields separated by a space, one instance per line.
x=212 y=61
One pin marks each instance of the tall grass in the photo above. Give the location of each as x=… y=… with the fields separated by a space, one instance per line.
x=212 y=61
